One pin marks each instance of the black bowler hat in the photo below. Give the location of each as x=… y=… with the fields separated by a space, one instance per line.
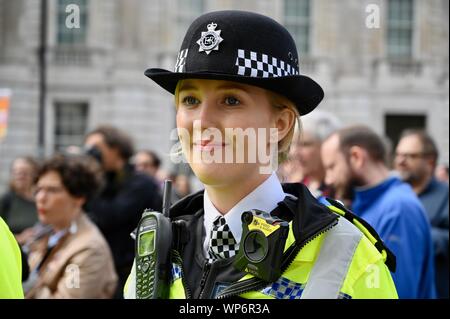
x=243 y=47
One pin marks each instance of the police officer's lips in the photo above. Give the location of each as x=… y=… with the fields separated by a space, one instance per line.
x=207 y=145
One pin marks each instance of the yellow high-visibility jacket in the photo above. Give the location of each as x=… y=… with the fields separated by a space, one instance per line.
x=334 y=255
x=10 y=265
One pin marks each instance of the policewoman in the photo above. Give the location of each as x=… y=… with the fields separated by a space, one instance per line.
x=239 y=71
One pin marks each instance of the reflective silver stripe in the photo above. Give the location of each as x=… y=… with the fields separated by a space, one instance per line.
x=330 y=269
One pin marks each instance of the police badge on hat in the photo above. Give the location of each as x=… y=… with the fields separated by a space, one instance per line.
x=210 y=39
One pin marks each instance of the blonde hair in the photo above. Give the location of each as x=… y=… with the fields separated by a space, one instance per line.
x=280 y=102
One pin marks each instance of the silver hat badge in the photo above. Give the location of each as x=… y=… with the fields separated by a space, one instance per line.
x=210 y=39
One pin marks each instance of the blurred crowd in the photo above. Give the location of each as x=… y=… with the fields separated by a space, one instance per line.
x=72 y=214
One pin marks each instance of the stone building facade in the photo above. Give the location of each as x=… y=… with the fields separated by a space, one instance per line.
x=389 y=75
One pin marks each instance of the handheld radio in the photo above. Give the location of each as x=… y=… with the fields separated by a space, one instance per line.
x=152 y=250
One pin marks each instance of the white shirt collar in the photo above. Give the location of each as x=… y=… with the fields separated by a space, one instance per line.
x=265 y=197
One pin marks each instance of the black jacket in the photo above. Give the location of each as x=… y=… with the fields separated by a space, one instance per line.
x=308 y=216
x=118 y=208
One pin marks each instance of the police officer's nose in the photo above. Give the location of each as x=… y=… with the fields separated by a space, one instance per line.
x=207 y=114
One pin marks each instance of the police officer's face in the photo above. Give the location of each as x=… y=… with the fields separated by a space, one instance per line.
x=209 y=110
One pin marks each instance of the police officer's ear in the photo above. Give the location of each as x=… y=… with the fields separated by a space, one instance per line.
x=284 y=122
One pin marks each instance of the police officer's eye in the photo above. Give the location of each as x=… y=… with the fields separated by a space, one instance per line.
x=190 y=100
x=231 y=100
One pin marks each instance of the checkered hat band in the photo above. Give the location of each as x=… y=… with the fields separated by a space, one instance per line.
x=222 y=243
x=261 y=65
x=181 y=60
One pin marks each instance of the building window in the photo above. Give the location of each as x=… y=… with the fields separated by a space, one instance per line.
x=186 y=12
x=400 y=28
x=70 y=124
x=66 y=34
x=297 y=20
x=395 y=124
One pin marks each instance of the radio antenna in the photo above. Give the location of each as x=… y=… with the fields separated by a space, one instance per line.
x=166 y=197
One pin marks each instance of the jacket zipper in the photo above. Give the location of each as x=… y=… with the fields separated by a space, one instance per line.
x=206 y=269
x=255 y=284
x=179 y=262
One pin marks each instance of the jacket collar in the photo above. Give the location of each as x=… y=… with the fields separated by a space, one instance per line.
x=308 y=216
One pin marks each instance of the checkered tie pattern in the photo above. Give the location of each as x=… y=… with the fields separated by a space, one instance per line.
x=222 y=243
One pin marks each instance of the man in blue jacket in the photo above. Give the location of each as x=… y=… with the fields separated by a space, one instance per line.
x=355 y=162
x=415 y=159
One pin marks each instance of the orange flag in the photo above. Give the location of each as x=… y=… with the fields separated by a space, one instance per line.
x=5 y=96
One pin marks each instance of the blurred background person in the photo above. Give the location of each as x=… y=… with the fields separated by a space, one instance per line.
x=17 y=205
x=182 y=185
x=127 y=193
x=441 y=173
x=416 y=157
x=73 y=260
x=304 y=155
x=289 y=170
x=73 y=150
x=354 y=160
x=147 y=162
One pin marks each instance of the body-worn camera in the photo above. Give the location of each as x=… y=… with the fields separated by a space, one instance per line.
x=262 y=245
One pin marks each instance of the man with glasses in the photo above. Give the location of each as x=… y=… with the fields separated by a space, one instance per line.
x=416 y=157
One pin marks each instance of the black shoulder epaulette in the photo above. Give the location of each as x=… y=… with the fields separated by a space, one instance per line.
x=367 y=230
